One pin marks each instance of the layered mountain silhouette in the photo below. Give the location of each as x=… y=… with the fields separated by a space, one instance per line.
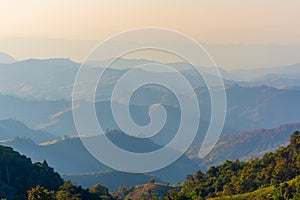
x=69 y=156
x=10 y=129
x=245 y=145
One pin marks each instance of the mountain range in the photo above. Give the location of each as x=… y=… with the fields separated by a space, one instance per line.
x=10 y=129
x=248 y=108
x=36 y=116
x=53 y=79
x=69 y=156
x=245 y=145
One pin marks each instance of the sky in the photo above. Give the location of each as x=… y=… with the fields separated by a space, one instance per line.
x=83 y=23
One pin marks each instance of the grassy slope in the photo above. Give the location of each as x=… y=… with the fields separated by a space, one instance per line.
x=261 y=193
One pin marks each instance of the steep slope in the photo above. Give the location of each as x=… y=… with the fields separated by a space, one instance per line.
x=18 y=174
x=69 y=156
x=236 y=177
x=286 y=190
x=246 y=145
x=10 y=129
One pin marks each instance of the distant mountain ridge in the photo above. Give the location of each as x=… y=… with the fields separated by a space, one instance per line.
x=246 y=145
x=69 y=156
x=248 y=108
x=53 y=79
x=10 y=129
x=252 y=74
x=5 y=58
x=111 y=179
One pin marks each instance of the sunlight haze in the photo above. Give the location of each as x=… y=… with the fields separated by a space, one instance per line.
x=47 y=24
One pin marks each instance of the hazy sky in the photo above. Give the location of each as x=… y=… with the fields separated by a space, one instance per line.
x=213 y=21
x=210 y=21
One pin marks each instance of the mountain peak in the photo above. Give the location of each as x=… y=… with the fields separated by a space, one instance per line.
x=53 y=61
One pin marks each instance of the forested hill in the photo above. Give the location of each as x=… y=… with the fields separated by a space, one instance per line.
x=233 y=178
x=18 y=174
x=21 y=179
x=275 y=176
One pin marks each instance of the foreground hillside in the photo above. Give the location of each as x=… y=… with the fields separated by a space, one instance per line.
x=69 y=156
x=275 y=176
x=21 y=179
x=18 y=174
x=236 y=177
x=286 y=190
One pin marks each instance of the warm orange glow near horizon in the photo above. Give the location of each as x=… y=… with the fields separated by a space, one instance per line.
x=65 y=28
x=216 y=21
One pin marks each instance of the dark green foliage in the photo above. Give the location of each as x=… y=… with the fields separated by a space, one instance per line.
x=100 y=191
x=21 y=179
x=68 y=191
x=276 y=176
x=18 y=174
x=40 y=193
x=232 y=178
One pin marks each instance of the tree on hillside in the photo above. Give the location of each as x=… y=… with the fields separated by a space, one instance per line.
x=151 y=181
x=295 y=140
x=68 y=191
x=99 y=190
x=40 y=193
x=232 y=178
